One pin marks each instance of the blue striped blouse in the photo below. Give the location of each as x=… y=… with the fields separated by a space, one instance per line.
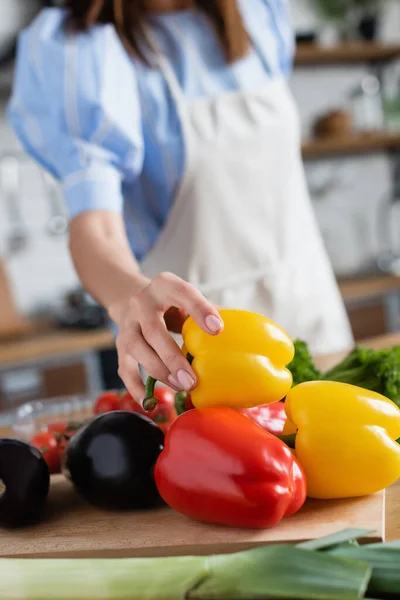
x=106 y=126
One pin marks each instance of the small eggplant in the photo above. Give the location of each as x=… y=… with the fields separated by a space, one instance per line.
x=111 y=461
x=25 y=482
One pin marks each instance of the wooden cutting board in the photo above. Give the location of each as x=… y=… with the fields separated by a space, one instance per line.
x=74 y=529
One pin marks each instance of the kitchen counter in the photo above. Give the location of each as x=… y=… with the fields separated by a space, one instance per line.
x=49 y=362
x=73 y=529
x=52 y=343
x=49 y=343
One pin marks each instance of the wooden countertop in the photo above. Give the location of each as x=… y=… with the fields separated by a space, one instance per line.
x=53 y=343
x=393 y=512
x=73 y=529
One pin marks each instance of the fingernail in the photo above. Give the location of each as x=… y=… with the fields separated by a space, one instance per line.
x=174 y=383
x=213 y=323
x=186 y=381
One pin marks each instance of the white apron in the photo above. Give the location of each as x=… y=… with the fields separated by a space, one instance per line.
x=242 y=228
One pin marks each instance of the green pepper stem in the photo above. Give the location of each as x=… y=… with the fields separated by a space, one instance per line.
x=289 y=440
x=150 y=401
x=180 y=402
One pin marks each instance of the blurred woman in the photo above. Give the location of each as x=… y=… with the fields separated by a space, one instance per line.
x=172 y=130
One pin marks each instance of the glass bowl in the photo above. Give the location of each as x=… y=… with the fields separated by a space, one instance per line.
x=31 y=418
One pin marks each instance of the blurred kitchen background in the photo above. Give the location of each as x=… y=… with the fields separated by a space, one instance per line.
x=54 y=341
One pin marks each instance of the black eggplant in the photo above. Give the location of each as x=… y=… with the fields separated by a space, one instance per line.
x=25 y=482
x=111 y=461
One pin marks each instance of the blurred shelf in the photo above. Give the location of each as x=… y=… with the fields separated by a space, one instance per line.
x=347 y=53
x=368 y=288
x=350 y=144
x=54 y=343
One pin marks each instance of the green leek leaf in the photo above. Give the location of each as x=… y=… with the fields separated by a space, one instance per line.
x=100 y=579
x=279 y=572
x=385 y=563
x=282 y=572
x=395 y=544
x=341 y=537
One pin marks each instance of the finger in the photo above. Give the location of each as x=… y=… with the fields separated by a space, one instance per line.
x=203 y=312
x=129 y=372
x=179 y=293
x=178 y=368
x=142 y=351
x=133 y=345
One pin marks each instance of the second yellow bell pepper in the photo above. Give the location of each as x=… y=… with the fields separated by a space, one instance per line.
x=243 y=366
x=346 y=438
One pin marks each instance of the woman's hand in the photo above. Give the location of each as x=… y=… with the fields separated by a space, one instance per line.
x=143 y=338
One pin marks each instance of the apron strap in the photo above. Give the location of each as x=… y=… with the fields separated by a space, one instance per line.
x=178 y=95
x=257 y=47
x=172 y=80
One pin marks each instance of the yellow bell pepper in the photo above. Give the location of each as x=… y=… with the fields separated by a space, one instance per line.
x=243 y=366
x=346 y=438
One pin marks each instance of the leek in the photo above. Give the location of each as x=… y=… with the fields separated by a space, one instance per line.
x=385 y=563
x=335 y=539
x=286 y=572
x=100 y=579
x=278 y=571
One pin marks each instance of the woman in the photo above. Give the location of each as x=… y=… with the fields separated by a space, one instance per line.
x=173 y=132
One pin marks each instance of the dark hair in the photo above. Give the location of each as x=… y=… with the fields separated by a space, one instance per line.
x=128 y=17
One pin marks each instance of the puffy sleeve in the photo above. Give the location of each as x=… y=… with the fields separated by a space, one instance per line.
x=75 y=108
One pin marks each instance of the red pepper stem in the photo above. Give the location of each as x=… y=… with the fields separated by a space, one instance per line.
x=289 y=440
x=150 y=401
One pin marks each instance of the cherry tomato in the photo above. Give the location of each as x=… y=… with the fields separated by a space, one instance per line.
x=107 y=402
x=47 y=444
x=58 y=427
x=164 y=413
x=70 y=430
x=129 y=404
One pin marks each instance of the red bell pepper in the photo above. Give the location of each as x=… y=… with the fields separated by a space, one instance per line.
x=271 y=417
x=219 y=467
